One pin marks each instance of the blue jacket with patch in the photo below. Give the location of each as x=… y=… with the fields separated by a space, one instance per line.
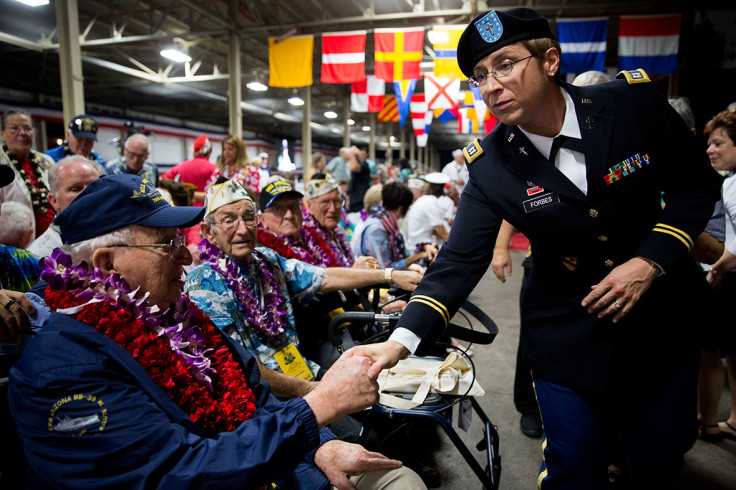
x=89 y=416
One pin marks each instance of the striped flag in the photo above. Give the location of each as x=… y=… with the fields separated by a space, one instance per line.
x=367 y=95
x=290 y=61
x=422 y=139
x=467 y=124
x=403 y=90
x=343 y=57
x=390 y=111
x=479 y=106
x=583 y=43
x=398 y=53
x=445 y=51
x=441 y=93
x=418 y=108
x=649 y=42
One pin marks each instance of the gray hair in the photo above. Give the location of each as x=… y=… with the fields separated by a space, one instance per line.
x=83 y=251
x=136 y=136
x=13 y=112
x=731 y=106
x=54 y=170
x=682 y=106
x=16 y=222
x=591 y=77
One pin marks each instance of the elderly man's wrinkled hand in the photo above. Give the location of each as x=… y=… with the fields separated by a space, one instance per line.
x=407 y=280
x=339 y=459
x=14 y=310
x=619 y=291
x=345 y=388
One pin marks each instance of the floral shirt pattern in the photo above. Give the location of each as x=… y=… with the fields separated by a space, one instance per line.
x=209 y=291
x=149 y=170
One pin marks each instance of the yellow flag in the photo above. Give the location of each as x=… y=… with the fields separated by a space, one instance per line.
x=290 y=61
x=445 y=51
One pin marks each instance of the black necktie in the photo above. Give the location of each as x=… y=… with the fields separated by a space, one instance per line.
x=563 y=141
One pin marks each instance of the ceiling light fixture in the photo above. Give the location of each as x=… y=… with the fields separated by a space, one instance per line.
x=34 y=3
x=366 y=128
x=296 y=101
x=256 y=86
x=436 y=37
x=331 y=114
x=175 y=55
x=351 y=122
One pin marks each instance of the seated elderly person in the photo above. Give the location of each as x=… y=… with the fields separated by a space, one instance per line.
x=281 y=228
x=379 y=235
x=67 y=178
x=322 y=216
x=249 y=292
x=129 y=385
x=18 y=268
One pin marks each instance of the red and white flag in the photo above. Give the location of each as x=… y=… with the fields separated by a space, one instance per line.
x=343 y=57
x=422 y=139
x=367 y=95
x=418 y=108
x=441 y=93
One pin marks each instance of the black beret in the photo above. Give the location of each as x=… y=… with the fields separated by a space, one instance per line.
x=491 y=31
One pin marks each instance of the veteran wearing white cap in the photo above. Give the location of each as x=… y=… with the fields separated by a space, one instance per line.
x=427 y=222
x=457 y=170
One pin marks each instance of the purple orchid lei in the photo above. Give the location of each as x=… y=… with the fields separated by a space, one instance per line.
x=176 y=323
x=339 y=244
x=268 y=323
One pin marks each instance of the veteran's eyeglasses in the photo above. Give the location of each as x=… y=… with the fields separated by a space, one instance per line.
x=173 y=247
x=325 y=204
x=501 y=70
x=229 y=223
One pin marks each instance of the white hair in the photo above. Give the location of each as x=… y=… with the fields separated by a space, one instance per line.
x=16 y=224
x=682 y=106
x=591 y=77
x=54 y=170
x=83 y=251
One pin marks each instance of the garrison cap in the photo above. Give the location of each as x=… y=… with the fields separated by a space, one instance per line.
x=493 y=30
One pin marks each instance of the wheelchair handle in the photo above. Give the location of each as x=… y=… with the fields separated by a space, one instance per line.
x=361 y=317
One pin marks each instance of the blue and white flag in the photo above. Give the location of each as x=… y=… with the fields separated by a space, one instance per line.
x=583 y=44
x=403 y=90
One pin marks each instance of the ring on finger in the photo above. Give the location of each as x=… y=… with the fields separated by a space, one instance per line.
x=9 y=304
x=617 y=305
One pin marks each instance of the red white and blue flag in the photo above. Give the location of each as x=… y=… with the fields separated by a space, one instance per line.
x=583 y=43
x=343 y=57
x=649 y=42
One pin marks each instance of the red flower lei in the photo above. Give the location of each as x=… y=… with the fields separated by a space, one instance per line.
x=230 y=403
x=313 y=249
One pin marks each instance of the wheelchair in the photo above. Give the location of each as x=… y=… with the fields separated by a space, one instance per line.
x=436 y=408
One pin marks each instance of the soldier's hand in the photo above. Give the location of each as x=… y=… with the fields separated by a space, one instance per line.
x=501 y=263
x=384 y=355
x=619 y=291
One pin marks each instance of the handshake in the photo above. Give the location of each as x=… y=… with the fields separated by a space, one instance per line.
x=350 y=384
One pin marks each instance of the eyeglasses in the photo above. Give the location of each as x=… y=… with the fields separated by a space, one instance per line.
x=280 y=210
x=501 y=70
x=18 y=129
x=229 y=223
x=137 y=156
x=325 y=204
x=173 y=248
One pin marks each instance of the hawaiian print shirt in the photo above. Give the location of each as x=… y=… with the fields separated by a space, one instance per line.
x=120 y=166
x=210 y=292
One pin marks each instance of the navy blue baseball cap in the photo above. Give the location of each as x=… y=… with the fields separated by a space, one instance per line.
x=83 y=126
x=114 y=201
x=492 y=30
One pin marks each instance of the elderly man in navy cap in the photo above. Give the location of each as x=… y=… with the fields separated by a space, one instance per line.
x=128 y=384
x=81 y=135
x=580 y=171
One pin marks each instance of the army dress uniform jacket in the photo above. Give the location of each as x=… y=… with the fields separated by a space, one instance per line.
x=578 y=239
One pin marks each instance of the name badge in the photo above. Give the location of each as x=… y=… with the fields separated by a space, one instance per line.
x=541 y=202
x=292 y=363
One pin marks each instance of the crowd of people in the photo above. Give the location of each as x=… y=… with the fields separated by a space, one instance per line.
x=170 y=330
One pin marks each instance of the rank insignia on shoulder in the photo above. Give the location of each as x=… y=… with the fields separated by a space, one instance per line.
x=634 y=76
x=472 y=151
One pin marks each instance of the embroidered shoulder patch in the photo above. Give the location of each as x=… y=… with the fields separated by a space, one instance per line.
x=472 y=151
x=634 y=76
